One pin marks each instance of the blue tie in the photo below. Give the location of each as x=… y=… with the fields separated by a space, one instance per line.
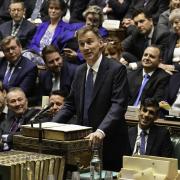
x=7 y=76
x=145 y=80
x=143 y=142
x=88 y=96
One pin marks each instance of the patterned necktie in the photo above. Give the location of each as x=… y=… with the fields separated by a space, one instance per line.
x=88 y=96
x=14 y=126
x=143 y=142
x=145 y=80
x=7 y=76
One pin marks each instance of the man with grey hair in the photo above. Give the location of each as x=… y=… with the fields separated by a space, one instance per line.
x=18 y=114
x=18 y=26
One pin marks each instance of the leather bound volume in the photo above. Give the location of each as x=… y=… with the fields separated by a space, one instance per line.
x=57 y=131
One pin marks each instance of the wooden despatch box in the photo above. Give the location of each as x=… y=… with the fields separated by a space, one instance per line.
x=75 y=152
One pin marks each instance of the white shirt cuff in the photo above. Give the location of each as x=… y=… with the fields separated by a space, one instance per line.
x=133 y=65
x=102 y=132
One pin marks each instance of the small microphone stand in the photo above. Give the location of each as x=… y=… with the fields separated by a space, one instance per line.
x=37 y=119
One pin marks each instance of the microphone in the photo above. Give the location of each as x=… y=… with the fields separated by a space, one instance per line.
x=41 y=112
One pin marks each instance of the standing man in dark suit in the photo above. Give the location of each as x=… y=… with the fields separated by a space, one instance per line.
x=16 y=70
x=156 y=78
x=147 y=138
x=18 y=114
x=98 y=97
x=18 y=26
x=59 y=73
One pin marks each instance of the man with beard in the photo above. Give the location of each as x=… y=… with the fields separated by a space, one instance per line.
x=59 y=73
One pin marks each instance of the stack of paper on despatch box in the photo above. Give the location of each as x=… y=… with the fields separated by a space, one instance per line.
x=149 y=168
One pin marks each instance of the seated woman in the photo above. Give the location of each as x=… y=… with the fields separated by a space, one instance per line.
x=68 y=44
x=48 y=32
x=172 y=52
x=113 y=49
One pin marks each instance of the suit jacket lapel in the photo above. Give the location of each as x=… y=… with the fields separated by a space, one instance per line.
x=100 y=78
x=150 y=140
x=82 y=80
x=133 y=137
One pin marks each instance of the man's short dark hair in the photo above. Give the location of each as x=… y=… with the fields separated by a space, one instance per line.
x=150 y=102
x=59 y=93
x=47 y=50
x=144 y=11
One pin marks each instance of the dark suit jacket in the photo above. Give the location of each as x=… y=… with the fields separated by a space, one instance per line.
x=66 y=77
x=155 y=87
x=135 y=43
x=155 y=7
x=158 y=143
x=25 y=33
x=172 y=88
x=106 y=111
x=169 y=51
x=23 y=76
x=4 y=12
x=6 y=124
x=76 y=10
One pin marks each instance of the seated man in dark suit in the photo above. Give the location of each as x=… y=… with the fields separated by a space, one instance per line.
x=148 y=80
x=141 y=35
x=147 y=138
x=18 y=26
x=16 y=70
x=59 y=73
x=18 y=114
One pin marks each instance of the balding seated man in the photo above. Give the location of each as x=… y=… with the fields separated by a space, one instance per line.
x=18 y=114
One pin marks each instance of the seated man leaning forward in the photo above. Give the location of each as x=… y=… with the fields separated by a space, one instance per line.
x=148 y=138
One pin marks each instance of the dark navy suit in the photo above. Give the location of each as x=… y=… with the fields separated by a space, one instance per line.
x=66 y=77
x=106 y=110
x=25 y=33
x=158 y=142
x=155 y=87
x=23 y=76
